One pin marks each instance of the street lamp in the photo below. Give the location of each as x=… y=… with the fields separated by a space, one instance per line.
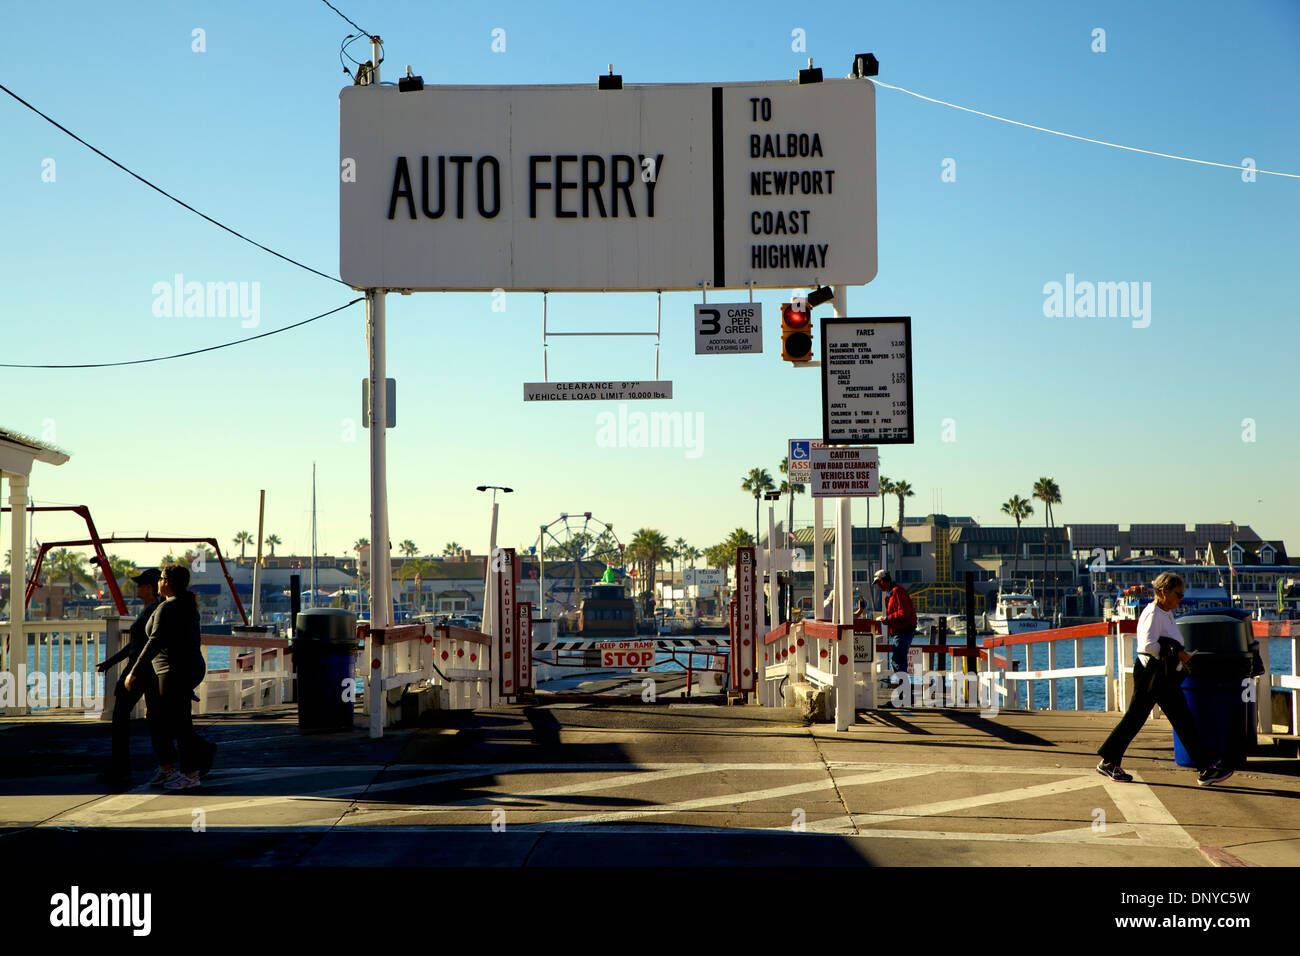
x=489 y=602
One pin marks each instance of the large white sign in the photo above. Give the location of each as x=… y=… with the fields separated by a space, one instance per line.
x=845 y=472
x=595 y=391
x=728 y=328
x=867 y=381
x=704 y=577
x=574 y=188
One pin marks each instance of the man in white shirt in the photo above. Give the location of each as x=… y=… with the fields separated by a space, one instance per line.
x=1158 y=674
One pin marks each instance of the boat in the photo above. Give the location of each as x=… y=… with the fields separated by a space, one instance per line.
x=1016 y=613
x=1130 y=602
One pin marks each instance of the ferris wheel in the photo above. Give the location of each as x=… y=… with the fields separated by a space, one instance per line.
x=575 y=549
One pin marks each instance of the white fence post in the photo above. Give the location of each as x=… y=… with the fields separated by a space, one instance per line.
x=1110 y=673
x=1051 y=681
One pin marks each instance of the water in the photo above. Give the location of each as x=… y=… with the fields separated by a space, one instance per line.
x=1094 y=654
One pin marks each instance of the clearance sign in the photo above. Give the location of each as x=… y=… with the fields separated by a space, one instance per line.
x=570 y=188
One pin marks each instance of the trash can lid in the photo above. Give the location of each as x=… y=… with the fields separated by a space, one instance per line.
x=332 y=624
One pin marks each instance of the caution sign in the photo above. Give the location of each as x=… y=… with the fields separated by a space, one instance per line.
x=524 y=648
x=744 y=654
x=504 y=567
x=841 y=472
x=627 y=654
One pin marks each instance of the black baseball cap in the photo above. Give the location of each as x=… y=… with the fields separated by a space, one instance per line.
x=148 y=576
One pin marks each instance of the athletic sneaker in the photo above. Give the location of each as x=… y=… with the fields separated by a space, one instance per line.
x=181 y=782
x=161 y=778
x=1114 y=771
x=1215 y=773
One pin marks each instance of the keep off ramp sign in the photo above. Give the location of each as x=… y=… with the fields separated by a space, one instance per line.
x=627 y=654
x=744 y=637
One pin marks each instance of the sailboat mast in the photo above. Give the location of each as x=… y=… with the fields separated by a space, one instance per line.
x=313 y=534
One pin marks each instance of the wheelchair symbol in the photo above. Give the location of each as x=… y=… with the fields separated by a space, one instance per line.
x=800 y=451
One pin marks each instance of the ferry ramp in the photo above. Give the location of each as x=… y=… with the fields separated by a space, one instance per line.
x=673 y=784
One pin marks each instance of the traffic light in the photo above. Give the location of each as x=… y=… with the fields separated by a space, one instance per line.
x=796 y=333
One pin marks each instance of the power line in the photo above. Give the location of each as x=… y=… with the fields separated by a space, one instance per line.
x=210 y=348
x=164 y=192
x=1099 y=142
x=345 y=17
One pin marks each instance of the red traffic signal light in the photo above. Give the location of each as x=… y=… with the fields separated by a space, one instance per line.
x=796 y=333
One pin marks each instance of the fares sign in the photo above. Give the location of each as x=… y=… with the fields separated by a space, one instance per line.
x=867 y=381
x=650 y=187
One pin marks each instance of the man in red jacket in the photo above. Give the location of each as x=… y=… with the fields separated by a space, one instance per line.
x=899 y=617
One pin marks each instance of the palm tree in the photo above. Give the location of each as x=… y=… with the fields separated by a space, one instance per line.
x=417 y=569
x=901 y=490
x=243 y=539
x=408 y=548
x=1019 y=509
x=359 y=544
x=271 y=541
x=451 y=549
x=652 y=547
x=757 y=482
x=792 y=489
x=692 y=555
x=69 y=564
x=123 y=570
x=1048 y=492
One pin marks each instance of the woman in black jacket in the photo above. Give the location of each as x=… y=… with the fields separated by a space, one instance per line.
x=173 y=650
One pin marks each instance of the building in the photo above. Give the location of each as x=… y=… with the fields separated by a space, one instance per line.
x=1075 y=567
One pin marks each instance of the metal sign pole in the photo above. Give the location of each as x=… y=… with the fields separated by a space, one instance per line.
x=844 y=702
x=381 y=568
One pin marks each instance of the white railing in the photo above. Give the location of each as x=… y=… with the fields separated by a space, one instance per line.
x=248 y=682
x=455 y=661
x=56 y=667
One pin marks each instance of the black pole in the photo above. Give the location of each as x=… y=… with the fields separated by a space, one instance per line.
x=295 y=599
x=970 y=615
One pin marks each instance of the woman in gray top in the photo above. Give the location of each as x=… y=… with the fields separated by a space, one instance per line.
x=173 y=651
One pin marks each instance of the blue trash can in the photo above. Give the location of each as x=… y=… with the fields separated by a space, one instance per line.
x=324 y=657
x=1219 y=641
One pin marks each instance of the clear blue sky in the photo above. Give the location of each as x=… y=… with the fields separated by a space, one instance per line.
x=1135 y=425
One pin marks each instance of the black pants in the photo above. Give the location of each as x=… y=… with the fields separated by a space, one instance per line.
x=177 y=741
x=145 y=685
x=1154 y=685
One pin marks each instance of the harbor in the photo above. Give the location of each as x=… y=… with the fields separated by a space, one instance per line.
x=749 y=457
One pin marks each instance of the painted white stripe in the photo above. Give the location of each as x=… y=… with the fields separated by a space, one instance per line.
x=739 y=798
x=979 y=800
x=1149 y=817
x=494 y=799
